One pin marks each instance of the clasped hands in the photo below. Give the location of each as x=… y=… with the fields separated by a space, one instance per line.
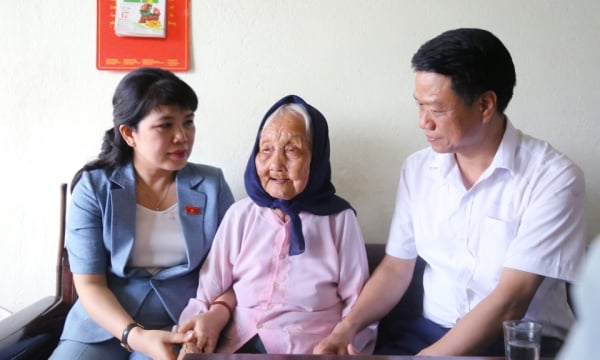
x=206 y=328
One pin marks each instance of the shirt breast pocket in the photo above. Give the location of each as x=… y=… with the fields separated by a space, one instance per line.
x=495 y=238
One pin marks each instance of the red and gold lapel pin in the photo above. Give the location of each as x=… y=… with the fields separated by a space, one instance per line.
x=192 y=210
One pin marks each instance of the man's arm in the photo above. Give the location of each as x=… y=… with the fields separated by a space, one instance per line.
x=381 y=293
x=509 y=300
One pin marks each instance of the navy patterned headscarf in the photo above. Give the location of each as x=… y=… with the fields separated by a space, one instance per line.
x=319 y=195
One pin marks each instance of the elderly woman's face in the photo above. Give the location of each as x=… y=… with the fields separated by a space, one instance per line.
x=283 y=158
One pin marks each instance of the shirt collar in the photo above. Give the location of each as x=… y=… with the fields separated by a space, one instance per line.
x=506 y=153
x=504 y=158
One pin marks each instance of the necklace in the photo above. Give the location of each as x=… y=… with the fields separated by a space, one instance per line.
x=157 y=207
x=150 y=191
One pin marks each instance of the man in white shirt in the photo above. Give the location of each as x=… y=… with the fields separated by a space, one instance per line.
x=498 y=216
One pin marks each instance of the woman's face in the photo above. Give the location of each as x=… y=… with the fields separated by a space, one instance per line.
x=283 y=158
x=163 y=139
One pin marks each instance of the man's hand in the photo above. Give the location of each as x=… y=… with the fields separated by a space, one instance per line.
x=338 y=343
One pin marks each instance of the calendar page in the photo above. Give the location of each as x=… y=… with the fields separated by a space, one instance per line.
x=141 y=18
x=124 y=51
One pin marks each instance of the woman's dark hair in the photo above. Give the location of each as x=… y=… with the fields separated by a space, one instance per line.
x=475 y=60
x=137 y=94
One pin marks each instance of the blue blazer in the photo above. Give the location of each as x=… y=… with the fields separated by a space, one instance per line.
x=101 y=231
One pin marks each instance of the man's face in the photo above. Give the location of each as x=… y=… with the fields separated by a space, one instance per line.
x=450 y=126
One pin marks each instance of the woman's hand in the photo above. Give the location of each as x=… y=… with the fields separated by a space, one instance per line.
x=207 y=328
x=158 y=344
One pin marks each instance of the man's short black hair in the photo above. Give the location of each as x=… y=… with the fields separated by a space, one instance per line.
x=475 y=60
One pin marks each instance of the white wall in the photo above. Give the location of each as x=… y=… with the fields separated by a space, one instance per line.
x=349 y=58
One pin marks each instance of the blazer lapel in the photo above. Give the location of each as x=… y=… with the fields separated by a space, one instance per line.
x=192 y=205
x=123 y=199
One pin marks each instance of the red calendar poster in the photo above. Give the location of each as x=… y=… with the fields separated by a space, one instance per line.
x=125 y=53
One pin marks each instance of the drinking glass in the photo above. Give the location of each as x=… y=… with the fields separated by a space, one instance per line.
x=522 y=339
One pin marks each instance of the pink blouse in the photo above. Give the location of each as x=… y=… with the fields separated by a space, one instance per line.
x=292 y=302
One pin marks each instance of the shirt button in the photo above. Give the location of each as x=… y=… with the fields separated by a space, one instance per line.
x=276 y=285
x=282 y=256
x=270 y=306
x=258 y=326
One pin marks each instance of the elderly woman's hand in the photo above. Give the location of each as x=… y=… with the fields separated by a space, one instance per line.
x=157 y=344
x=207 y=328
x=187 y=348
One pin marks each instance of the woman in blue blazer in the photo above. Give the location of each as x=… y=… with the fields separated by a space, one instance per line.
x=140 y=224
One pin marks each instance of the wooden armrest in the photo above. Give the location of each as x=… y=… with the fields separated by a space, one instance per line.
x=34 y=329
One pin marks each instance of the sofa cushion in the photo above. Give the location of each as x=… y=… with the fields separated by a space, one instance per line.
x=411 y=304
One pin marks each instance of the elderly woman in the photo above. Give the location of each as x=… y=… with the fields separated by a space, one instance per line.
x=293 y=251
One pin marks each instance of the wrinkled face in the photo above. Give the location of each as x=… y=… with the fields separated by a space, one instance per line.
x=449 y=125
x=283 y=158
x=163 y=139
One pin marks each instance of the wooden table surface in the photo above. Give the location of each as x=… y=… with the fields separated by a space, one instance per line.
x=327 y=357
